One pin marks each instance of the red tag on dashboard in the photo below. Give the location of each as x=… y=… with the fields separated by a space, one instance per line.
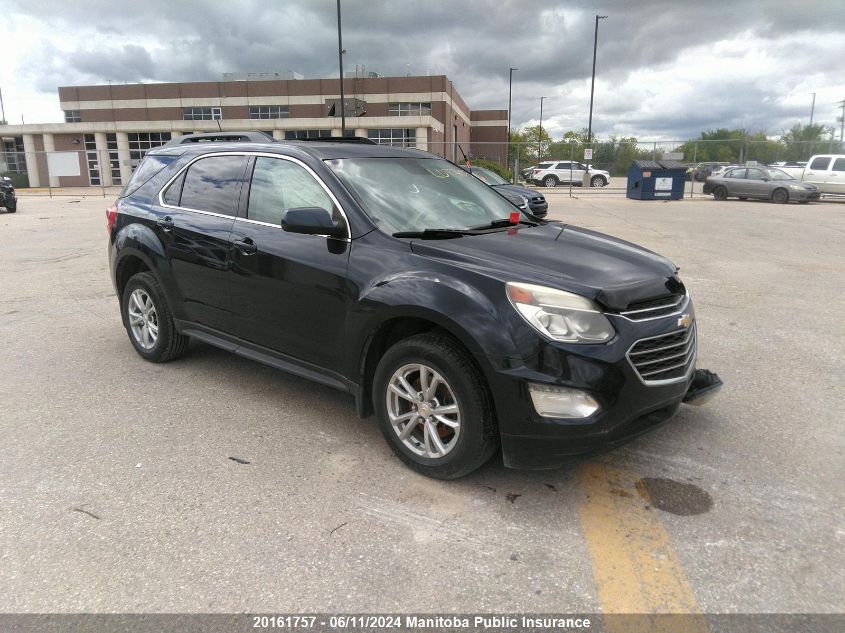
x=514 y=217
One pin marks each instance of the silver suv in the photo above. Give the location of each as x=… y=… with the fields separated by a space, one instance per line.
x=553 y=173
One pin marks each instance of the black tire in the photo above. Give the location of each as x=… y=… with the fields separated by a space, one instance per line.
x=550 y=181
x=780 y=196
x=597 y=181
x=12 y=208
x=743 y=197
x=478 y=438
x=720 y=193
x=169 y=344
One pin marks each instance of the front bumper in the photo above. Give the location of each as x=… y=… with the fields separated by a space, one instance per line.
x=629 y=406
x=7 y=198
x=804 y=194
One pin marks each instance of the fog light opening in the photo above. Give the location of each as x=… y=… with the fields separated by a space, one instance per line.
x=562 y=402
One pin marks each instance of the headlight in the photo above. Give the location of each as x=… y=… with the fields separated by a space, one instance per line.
x=559 y=315
x=798 y=187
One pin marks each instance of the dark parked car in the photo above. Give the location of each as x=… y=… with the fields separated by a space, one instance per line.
x=537 y=204
x=396 y=276
x=8 y=199
x=766 y=183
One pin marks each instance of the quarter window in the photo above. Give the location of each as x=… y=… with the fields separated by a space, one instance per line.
x=212 y=184
x=279 y=185
x=202 y=114
x=820 y=163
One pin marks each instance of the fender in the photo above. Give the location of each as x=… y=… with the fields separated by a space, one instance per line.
x=460 y=309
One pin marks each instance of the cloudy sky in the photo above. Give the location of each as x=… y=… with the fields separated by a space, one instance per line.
x=666 y=68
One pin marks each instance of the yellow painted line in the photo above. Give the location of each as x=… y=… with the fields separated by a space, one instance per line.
x=635 y=566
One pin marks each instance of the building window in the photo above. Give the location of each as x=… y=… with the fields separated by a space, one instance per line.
x=12 y=157
x=268 y=112
x=114 y=161
x=91 y=160
x=294 y=135
x=202 y=114
x=72 y=116
x=354 y=107
x=410 y=109
x=400 y=137
x=142 y=142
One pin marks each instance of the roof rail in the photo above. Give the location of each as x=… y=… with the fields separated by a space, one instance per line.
x=225 y=137
x=339 y=139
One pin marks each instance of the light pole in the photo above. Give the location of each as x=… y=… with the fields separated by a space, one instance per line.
x=593 y=82
x=540 y=137
x=812 y=108
x=510 y=93
x=340 y=52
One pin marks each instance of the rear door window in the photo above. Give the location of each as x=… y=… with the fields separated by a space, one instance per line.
x=736 y=173
x=820 y=163
x=838 y=165
x=213 y=184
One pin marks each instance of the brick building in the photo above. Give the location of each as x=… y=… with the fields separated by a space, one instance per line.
x=113 y=126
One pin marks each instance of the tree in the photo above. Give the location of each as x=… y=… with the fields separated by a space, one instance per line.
x=802 y=141
x=534 y=139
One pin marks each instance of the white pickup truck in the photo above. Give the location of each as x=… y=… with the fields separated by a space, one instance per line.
x=825 y=171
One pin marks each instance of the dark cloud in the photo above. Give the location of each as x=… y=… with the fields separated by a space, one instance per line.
x=474 y=42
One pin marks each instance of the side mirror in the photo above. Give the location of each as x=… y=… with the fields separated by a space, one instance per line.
x=312 y=221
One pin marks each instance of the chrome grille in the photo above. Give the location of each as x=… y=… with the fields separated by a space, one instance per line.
x=654 y=308
x=664 y=358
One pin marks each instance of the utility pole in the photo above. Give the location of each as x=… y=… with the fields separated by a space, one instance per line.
x=510 y=93
x=2 y=109
x=540 y=136
x=340 y=53
x=813 y=108
x=593 y=82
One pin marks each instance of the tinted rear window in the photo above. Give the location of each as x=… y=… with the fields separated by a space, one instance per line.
x=213 y=183
x=149 y=167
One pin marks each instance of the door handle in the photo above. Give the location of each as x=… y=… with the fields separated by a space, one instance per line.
x=166 y=223
x=246 y=246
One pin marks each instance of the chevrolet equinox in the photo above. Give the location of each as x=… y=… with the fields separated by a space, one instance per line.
x=461 y=322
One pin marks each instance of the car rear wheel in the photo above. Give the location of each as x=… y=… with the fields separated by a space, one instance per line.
x=550 y=181
x=149 y=321
x=597 y=181
x=780 y=196
x=433 y=407
x=12 y=207
x=720 y=193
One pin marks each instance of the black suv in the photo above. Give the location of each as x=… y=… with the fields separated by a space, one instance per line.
x=8 y=198
x=392 y=274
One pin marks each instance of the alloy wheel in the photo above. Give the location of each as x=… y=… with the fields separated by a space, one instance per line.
x=423 y=411
x=143 y=318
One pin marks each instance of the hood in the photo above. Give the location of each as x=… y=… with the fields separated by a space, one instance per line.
x=520 y=191
x=612 y=271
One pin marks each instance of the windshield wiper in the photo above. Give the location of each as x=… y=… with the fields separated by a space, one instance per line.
x=496 y=224
x=436 y=234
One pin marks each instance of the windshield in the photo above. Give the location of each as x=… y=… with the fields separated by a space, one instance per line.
x=488 y=177
x=777 y=174
x=415 y=194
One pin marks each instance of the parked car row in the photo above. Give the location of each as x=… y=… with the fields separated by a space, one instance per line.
x=519 y=196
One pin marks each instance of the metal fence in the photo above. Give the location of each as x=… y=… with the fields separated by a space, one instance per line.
x=102 y=172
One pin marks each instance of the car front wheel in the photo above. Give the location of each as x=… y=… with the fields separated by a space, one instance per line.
x=433 y=407
x=149 y=322
x=597 y=181
x=780 y=196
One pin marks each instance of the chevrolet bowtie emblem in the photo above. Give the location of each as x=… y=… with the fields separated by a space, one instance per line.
x=685 y=320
